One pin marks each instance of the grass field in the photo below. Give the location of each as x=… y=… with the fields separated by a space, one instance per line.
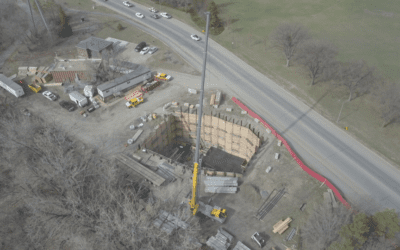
x=361 y=29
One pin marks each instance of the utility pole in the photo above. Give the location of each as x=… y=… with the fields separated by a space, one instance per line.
x=44 y=20
x=197 y=167
x=30 y=9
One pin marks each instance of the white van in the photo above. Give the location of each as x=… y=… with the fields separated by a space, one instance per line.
x=78 y=99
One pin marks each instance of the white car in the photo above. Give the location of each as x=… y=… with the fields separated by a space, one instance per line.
x=140 y=15
x=153 y=50
x=153 y=10
x=127 y=4
x=144 y=50
x=49 y=95
x=166 y=15
x=195 y=37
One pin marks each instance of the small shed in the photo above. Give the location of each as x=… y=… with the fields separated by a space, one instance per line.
x=93 y=47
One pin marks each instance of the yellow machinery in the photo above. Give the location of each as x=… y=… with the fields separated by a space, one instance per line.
x=193 y=204
x=219 y=212
x=134 y=102
x=162 y=77
x=34 y=87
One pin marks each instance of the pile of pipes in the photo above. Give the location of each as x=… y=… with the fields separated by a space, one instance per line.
x=227 y=185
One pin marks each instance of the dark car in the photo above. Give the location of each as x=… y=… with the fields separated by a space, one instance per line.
x=140 y=46
x=90 y=109
x=155 y=16
x=67 y=105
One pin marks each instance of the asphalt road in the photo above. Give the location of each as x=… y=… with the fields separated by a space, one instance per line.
x=359 y=173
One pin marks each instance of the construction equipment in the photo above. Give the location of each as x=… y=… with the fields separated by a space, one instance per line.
x=134 y=102
x=35 y=87
x=219 y=212
x=162 y=77
x=150 y=86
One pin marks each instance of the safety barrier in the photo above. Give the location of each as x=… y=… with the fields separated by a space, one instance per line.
x=301 y=164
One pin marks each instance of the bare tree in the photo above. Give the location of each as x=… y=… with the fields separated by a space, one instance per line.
x=387 y=95
x=70 y=192
x=287 y=37
x=323 y=226
x=356 y=76
x=316 y=56
x=13 y=23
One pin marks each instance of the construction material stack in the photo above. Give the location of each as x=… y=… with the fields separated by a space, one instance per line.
x=226 y=185
x=221 y=241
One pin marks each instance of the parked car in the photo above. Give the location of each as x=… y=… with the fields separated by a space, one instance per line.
x=153 y=50
x=166 y=15
x=90 y=109
x=127 y=4
x=155 y=16
x=68 y=105
x=140 y=15
x=49 y=95
x=144 y=50
x=140 y=46
x=153 y=10
x=195 y=37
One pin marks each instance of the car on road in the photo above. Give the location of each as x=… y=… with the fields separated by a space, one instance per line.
x=144 y=50
x=155 y=16
x=165 y=14
x=195 y=37
x=49 y=95
x=153 y=10
x=68 y=105
x=140 y=15
x=127 y=4
x=153 y=50
x=140 y=46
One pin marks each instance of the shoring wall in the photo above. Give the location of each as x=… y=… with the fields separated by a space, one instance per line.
x=234 y=139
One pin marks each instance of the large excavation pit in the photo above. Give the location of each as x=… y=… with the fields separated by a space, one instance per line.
x=222 y=161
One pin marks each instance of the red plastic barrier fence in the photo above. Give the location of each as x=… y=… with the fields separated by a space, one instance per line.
x=301 y=164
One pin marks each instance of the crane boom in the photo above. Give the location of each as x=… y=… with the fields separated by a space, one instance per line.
x=194 y=206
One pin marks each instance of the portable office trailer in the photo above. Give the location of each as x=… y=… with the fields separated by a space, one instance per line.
x=11 y=86
x=78 y=99
x=123 y=83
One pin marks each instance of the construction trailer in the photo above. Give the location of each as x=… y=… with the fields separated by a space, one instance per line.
x=123 y=83
x=11 y=86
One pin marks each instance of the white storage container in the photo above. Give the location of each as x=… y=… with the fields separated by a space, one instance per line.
x=78 y=99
